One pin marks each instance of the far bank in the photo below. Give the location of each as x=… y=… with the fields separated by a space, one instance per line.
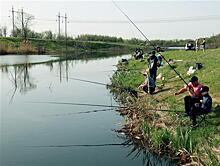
x=11 y=45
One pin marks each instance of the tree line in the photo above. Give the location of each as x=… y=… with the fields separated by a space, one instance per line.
x=212 y=42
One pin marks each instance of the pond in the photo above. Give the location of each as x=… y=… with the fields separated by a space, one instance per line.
x=23 y=59
x=34 y=133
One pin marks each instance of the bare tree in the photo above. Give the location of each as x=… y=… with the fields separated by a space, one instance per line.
x=23 y=22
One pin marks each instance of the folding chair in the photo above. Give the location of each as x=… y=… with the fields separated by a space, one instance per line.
x=202 y=117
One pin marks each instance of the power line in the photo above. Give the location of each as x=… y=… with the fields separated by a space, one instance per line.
x=46 y=19
x=157 y=20
x=160 y=20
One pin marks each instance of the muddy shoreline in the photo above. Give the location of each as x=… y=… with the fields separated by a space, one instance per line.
x=142 y=119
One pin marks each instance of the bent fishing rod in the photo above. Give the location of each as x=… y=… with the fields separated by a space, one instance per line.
x=98 y=105
x=80 y=145
x=76 y=104
x=129 y=90
x=149 y=42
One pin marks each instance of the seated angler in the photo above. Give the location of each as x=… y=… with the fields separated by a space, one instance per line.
x=194 y=88
x=204 y=106
x=149 y=85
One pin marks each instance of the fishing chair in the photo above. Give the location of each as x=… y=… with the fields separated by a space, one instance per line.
x=202 y=117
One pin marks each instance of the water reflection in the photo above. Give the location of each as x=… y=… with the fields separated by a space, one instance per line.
x=21 y=78
x=24 y=125
x=19 y=73
x=23 y=81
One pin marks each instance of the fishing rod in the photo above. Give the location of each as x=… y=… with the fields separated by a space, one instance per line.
x=150 y=42
x=82 y=145
x=138 y=69
x=85 y=112
x=99 y=105
x=129 y=90
x=82 y=80
x=111 y=109
x=76 y=104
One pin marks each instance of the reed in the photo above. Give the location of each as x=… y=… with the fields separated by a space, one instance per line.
x=7 y=49
x=25 y=47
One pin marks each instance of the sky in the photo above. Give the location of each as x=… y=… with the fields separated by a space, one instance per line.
x=156 y=19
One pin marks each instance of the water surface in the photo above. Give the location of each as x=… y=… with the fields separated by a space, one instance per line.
x=26 y=126
x=23 y=59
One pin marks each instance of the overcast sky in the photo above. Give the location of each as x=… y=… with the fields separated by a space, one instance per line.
x=157 y=19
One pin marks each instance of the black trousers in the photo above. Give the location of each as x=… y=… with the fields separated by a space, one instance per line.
x=148 y=89
x=191 y=110
x=153 y=74
x=197 y=111
x=190 y=102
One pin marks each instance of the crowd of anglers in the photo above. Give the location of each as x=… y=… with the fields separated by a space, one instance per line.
x=197 y=103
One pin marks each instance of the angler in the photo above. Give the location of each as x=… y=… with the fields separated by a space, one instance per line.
x=195 y=95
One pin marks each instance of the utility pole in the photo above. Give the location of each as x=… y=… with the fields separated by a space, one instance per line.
x=22 y=23
x=66 y=46
x=66 y=29
x=65 y=22
x=13 y=21
x=59 y=25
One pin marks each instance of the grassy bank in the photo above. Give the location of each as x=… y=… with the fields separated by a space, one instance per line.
x=10 y=45
x=158 y=121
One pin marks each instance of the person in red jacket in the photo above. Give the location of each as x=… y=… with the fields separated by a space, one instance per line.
x=203 y=107
x=194 y=88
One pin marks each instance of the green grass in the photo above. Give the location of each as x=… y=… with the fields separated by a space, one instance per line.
x=59 y=46
x=200 y=141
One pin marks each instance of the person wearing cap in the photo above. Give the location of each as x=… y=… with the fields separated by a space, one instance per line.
x=149 y=85
x=152 y=65
x=194 y=88
x=204 y=106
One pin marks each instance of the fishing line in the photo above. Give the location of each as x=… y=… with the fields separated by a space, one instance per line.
x=129 y=90
x=84 y=112
x=149 y=41
x=82 y=145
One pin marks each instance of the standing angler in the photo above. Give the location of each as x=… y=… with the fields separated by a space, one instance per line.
x=203 y=44
x=152 y=65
